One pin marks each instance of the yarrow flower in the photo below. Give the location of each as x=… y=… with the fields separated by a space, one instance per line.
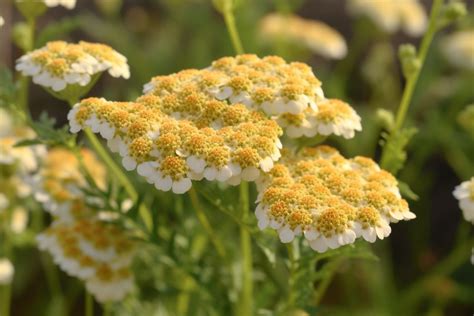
x=100 y=254
x=329 y=199
x=317 y=36
x=60 y=65
x=290 y=93
x=6 y=271
x=59 y=183
x=465 y=194
x=458 y=48
x=392 y=15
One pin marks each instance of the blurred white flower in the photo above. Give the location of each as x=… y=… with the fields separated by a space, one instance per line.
x=317 y=36
x=6 y=271
x=19 y=220
x=465 y=194
x=458 y=48
x=59 y=64
x=2 y=21
x=68 y=4
x=392 y=15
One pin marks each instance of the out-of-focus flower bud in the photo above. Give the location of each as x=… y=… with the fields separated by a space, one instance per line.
x=410 y=62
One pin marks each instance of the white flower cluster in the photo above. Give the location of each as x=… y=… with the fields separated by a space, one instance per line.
x=392 y=15
x=58 y=186
x=329 y=199
x=317 y=36
x=333 y=117
x=59 y=64
x=465 y=194
x=458 y=48
x=99 y=254
x=183 y=136
x=287 y=92
x=68 y=4
x=6 y=271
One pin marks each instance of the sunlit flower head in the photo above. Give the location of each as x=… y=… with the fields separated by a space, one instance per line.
x=59 y=64
x=329 y=199
x=6 y=271
x=317 y=36
x=392 y=15
x=59 y=183
x=465 y=194
x=458 y=48
x=19 y=220
x=100 y=254
x=290 y=93
x=183 y=135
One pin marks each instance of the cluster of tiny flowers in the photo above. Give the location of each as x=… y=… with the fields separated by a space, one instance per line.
x=183 y=135
x=59 y=64
x=392 y=15
x=459 y=49
x=59 y=183
x=329 y=199
x=68 y=4
x=98 y=253
x=465 y=194
x=289 y=93
x=317 y=36
x=333 y=117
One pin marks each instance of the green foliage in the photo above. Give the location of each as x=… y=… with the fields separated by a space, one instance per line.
x=48 y=134
x=7 y=87
x=57 y=30
x=394 y=145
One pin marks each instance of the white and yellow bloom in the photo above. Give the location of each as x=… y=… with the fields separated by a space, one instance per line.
x=458 y=48
x=98 y=253
x=329 y=199
x=465 y=195
x=59 y=64
x=6 y=271
x=59 y=183
x=392 y=15
x=317 y=36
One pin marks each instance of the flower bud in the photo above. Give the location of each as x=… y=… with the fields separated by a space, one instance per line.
x=410 y=62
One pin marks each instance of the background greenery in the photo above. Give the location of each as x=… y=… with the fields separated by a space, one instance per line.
x=422 y=269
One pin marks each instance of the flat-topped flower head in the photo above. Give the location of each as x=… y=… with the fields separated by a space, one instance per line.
x=60 y=65
x=316 y=36
x=465 y=195
x=183 y=134
x=290 y=93
x=99 y=254
x=329 y=199
x=269 y=84
x=392 y=15
x=58 y=185
x=458 y=48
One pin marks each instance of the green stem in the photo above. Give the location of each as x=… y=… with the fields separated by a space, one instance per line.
x=413 y=78
x=201 y=215
x=232 y=29
x=246 y=299
x=89 y=305
x=291 y=247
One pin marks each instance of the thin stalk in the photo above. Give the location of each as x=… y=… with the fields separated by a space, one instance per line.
x=232 y=29
x=117 y=172
x=292 y=271
x=201 y=215
x=89 y=305
x=246 y=298
x=413 y=78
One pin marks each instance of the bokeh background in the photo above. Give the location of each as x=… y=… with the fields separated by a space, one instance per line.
x=164 y=36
